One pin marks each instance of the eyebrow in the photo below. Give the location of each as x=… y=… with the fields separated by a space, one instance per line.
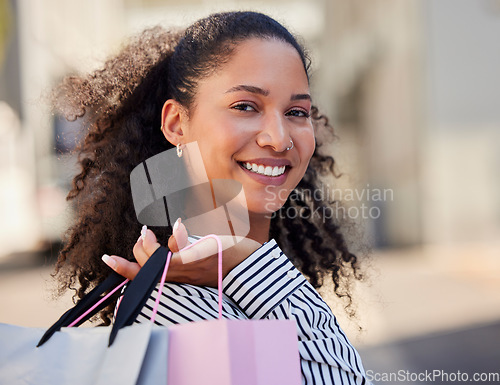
x=252 y=89
x=261 y=91
x=300 y=97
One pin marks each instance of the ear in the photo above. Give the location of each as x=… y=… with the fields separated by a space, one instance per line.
x=173 y=118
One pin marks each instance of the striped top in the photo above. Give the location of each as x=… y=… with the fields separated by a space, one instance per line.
x=267 y=285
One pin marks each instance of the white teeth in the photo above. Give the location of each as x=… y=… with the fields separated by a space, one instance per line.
x=265 y=170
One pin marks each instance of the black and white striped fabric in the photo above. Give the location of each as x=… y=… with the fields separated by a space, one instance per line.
x=268 y=286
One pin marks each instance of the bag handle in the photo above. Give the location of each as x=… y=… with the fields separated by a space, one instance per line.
x=78 y=311
x=219 y=265
x=135 y=296
x=219 y=273
x=162 y=282
x=144 y=282
x=160 y=288
x=139 y=290
x=82 y=317
x=137 y=293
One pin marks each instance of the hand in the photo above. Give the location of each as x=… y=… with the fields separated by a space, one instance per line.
x=196 y=265
x=145 y=246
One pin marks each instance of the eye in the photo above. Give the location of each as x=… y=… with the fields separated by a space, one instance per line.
x=243 y=107
x=299 y=113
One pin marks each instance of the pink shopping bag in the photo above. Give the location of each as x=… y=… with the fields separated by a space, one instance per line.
x=233 y=352
x=224 y=352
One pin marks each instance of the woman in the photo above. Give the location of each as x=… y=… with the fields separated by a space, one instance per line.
x=236 y=84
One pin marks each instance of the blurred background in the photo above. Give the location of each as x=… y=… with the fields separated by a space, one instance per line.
x=413 y=90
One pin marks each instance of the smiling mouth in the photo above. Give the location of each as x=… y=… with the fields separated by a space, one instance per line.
x=262 y=169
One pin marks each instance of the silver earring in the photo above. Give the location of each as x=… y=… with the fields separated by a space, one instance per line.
x=179 y=150
x=289 y=148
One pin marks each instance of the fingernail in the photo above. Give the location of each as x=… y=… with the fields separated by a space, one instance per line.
x=176 y=224
x=109 y=261
x=143 y=231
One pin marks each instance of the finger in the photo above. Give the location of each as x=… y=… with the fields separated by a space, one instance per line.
x=149 y=243
x=206 y=248
x=180 y=234
x=172 y=244
x=121 y=266
x=179 y=238
x=145 y=246
x=140 y=254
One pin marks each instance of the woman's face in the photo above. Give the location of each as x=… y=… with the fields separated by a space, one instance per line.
x=244 y=117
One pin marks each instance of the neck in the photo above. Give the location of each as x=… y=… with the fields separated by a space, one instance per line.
x=259 y=227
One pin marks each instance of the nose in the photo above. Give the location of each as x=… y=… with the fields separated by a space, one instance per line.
x=274 y=133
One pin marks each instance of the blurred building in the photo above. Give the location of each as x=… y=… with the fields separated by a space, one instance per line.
x=412 y=88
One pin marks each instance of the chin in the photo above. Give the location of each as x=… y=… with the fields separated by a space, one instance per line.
x=265 y=208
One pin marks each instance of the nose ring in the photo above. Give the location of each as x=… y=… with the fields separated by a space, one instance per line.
x=289 y=148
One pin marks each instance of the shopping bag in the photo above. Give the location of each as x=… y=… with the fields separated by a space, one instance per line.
x=224 y=352
x=233 y=352
x=89 y=356
x=80 y=356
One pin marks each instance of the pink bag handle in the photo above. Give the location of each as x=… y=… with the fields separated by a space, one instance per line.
x=98 y=303
x=219 y=273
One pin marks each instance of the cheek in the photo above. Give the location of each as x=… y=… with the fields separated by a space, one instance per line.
x=306 y=148
x=219 y=149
